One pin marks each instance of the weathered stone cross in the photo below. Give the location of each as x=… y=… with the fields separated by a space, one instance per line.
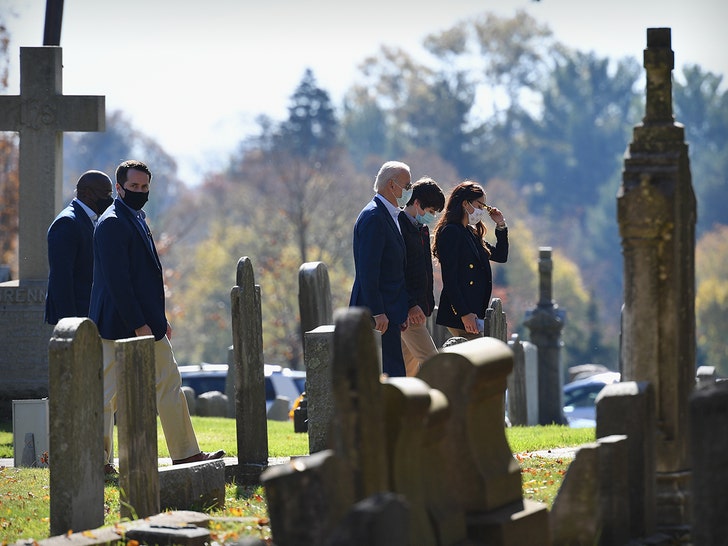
x=41 y=113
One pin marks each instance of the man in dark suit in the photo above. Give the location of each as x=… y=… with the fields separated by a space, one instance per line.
x=379 y=261
x=70 y=248
x=127 y=300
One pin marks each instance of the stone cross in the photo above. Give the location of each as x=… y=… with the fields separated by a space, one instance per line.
x=41 y=113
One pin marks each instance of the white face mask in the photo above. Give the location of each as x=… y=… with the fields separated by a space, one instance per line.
x=475 y=216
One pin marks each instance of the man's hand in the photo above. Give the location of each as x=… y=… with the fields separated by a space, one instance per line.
x=381 y=322
x=416 y=316
x=143 y=331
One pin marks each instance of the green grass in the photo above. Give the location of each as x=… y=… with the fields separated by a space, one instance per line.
x=24 y=492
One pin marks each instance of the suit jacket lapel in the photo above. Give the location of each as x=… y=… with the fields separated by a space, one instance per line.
x=390 y=221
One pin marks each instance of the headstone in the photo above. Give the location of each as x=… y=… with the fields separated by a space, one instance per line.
x=250 y=413
x=481 y=468
x=306 y=499
x=627 y=408
x=192 y=486
x=279 y=409
x=136 y=422
x=517 y=397
x=440 y=499
x=31 y=427
x=495 y=323
x=317 y=351
x=406 y=407
x=76 y=426
x=656 y=209
x=576 y=512
x=211 y=404
x=379 y=520
x=40 y=114
x=709 y=453
x=314 y=296
x=440 y=334
x=358 y=426
x=545 y=323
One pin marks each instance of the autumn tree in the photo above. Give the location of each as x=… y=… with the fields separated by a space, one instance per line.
x=711 y=301
x=9 y=176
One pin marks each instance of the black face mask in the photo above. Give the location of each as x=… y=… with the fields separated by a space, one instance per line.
x=135 y=199
x=102 y=204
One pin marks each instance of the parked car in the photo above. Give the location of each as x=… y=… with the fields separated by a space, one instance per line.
x=279 y=381
x=580 y=396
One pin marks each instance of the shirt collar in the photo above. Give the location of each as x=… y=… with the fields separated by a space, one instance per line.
x=91 y=214
x=393 y=211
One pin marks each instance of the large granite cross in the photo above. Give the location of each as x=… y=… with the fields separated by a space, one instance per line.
x=41 y=113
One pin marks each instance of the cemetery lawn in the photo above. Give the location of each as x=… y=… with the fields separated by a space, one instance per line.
x=25 y=500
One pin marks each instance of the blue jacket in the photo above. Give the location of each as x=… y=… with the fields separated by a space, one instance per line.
x=467 y=279
x=379 y=263
x=128 y=289
x=71 y=264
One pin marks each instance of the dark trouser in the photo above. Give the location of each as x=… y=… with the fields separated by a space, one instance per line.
x=392 y=359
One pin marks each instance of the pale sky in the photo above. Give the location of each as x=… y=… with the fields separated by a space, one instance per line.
x=194 y=75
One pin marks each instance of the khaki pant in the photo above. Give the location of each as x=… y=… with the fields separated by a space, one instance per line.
x=417 y=346
x=171 y=402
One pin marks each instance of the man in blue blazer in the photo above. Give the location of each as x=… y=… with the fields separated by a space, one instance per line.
x=70 y=248
x=127 y=300
x=379 y=262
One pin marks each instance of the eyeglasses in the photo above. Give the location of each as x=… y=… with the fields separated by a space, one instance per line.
x=407 y=187
x=481 y=205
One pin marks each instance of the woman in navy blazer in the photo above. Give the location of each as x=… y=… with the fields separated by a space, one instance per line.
x=465 y=257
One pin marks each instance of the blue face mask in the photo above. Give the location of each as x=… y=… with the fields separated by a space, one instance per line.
x=406 y=195
x=427 y=219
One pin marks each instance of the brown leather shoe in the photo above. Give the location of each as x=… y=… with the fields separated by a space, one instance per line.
x=201 y=456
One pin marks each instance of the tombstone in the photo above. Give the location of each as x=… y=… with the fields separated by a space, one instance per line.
x=440 y=499
x=481 y=468
x=40 y=114
x=406 y=407
x=191 y=399
x=495 y=323
x=517 y=402
x=358 y=426
x=211 y=404
x=589 y=507
x=379 y=520
x=545 y=323
x=314 y=296
x=306 y=499
x=709 y=454
x=76 y=426
x=250 y=414
x=317 y=351
x=136 y=422
x=656 y=211
x=279 y=410
x=627 y=408
x=440 y=334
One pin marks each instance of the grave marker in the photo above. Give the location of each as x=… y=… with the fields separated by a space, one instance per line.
x=40 y=114
x=657 y=213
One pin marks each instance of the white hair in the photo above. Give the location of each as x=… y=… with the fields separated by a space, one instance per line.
x=389 y=170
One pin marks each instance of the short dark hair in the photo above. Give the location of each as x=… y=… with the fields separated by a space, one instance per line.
x=125 y=166
x=428 y=193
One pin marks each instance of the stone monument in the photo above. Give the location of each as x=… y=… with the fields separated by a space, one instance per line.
x=40 y=114
x=656 y=211
x=545 y=323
